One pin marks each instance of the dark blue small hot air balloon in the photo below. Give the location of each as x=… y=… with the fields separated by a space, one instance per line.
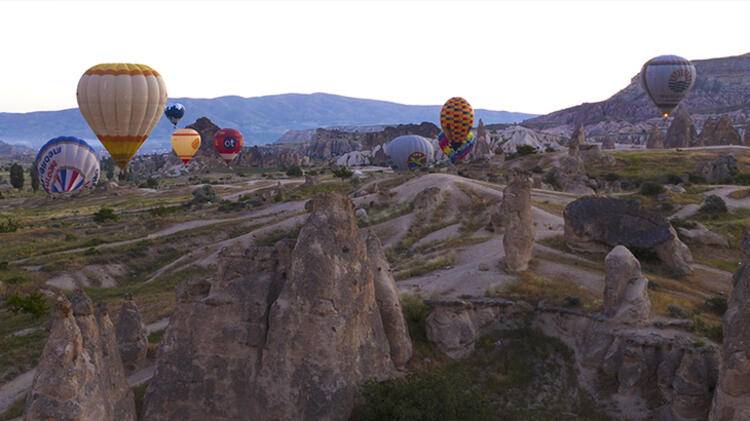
x=174 y=113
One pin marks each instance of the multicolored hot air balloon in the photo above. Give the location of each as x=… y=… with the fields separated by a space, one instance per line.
x=456 y=119
x=122 y=103
x=667 y=80
x=66 y=164
x=228 y=143
x=185 y=144
x=174 y=113
x=410 y=152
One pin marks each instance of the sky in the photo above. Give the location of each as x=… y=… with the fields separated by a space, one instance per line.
x=528 y=56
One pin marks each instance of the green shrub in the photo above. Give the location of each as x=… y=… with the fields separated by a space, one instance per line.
x=205 y=194
x=610 y=177
x=415 y=313
x=682 y=223
x=16 y=176
x=713 y=205
x=10 y=225
x=651 y=189
x=230 y=206
x=150 y=183
x=716 y=305
x=294 y=171
x=15 y=280
x=342 y=172
x=104 y=215
x=4 y=265
x=742 y=179
x=676 y=312
x=524 y=150
x=34 y=303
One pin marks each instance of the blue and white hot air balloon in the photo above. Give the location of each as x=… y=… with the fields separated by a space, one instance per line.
x=66 y=164
x=667 y=80
x=410 y=152
x=174 y=113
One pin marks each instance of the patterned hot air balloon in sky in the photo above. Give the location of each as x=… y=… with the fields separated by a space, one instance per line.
x=174 y=113
x=122 y=103
x=228 y=143
x=66 y=164
x=456 y=119
x=667 y=80
x=410 y=152
x=185 y=144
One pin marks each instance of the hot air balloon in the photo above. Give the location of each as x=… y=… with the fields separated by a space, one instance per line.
x=667 y=80
x=228 y=143
x=66 y=164
x=185 y=143
x=410 y=152
x=456 y=119
x=174 y=113
x=122 y=103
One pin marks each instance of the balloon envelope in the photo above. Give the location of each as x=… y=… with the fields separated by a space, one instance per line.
x=410 y=152
x=228 y=143
x=667 y=80
x=185 y=144
x=66 y=164
x=122 y=103
x=174 y=113
x=456 y=119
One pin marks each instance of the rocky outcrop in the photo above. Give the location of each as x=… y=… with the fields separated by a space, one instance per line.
x=132 y=338
x=284 y=332
x=681 y=132
x=272 y=157
x=625 y=294
x=482 y=149
x=569 y=176
x=576 y=140
x=595 y=224
x=80 y=376
x=702 y=236
x=207 y=129
x=732 y=397
x=354 y=159
x=718 y=131
x=720 y=170
x=655 y=138
x=518 y=240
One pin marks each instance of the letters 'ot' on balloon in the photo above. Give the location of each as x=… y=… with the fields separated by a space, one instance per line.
x=185 y=144
x=66 y=164
x=122 y=103
x=667 y=80
x=228 y=143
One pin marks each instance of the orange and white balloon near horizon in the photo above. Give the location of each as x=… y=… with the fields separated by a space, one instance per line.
x=185 y=144
x=122 y=103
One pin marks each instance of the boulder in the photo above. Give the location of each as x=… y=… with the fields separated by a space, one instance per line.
x=518 y=240
x=655 y=138
x=596 y=224
x=700 y=235
x=80 y=376
x=720 y=170
x=625 y=294
x=284 y=332
x=732 y=397
x=132 y=338
x=681 y=132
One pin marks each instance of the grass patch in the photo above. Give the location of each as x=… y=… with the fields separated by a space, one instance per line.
x=557 y=290
x=417 y=267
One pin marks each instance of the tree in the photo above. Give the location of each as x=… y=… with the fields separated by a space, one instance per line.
x=34 y=178
x=16 y=176
x=108 y=167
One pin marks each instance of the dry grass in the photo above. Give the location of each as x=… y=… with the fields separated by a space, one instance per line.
x=419 y=266
x=557 y=290
x=740 y=194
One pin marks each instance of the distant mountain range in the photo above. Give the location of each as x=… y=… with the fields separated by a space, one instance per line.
x=262 y=119
x=722 y=86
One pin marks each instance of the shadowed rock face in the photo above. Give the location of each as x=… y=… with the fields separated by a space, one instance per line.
x=718 y=131
x=518 y=240
x=595 y=224
x=80 y=376
x=625 y=295
x=287 y=332
x=655 y=139
x=732 y=398
x=132 y=340
x=681 y=132
x=576 y=140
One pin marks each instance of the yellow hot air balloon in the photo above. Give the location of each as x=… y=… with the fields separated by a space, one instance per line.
x=185 y=144
x=122 y=103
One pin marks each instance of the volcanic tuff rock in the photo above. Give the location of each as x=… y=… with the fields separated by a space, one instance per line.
x=569 y=176
x=482 y=149
x=700 y=235
x=595 y=224
x=207 y=129
x=576 y=140
x=80 y=376
x=718 y=131
x=518 y=240
x=655 y=139
x=681 y=132
x=732 y=397
x=720 y=170
x=625 y=294
x=132 y=339
x=287 y=332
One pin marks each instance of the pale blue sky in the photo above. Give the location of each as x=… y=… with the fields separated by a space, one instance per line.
x=531 y=56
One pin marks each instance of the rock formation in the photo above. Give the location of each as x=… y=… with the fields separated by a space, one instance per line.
x=655 y=138
x=132 y=339
x=732 y=397
x=80 y=376
x=681 y=132
x=595 y=224
x=284 y=332
x=700 y=235
x=482 y=148
x=576 y=140
x=625 y=294
x=720 y=170
x=206 y=128
x=518 y=240
x=569 y=176
x=718 y=131
x=609 y=143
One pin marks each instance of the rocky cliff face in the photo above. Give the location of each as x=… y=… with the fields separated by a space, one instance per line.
x=625 y=295
x=284 y=332
x=681 y=132
x=80 y=376
x=132 y=340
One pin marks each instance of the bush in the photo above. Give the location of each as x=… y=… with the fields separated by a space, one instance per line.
x=230 y=206
x=682 y=223
x=716 y=305
x=10 y=225
x=742 y=179
x=524 y=150
x=342 y=172
x=105 y=214
x=674 y=179
x=205 y=194
x=295 y=171
x=16 y=176
x=150 y=183
x=651 y=189
x=676 y=312
x=34 y=178
x=611 y=177
x=34 y=304
x=714 y=205
x=415 y=313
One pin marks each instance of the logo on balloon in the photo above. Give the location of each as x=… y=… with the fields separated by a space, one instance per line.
x=416 y=160
x=680 y=80
x=196 y=143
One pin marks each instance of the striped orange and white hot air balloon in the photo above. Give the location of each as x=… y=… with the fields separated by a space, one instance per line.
x=122 y=103
x=185 y=144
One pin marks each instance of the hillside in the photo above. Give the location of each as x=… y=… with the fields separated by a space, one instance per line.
x=9 y=150
x=722 y=86
x=262 y=119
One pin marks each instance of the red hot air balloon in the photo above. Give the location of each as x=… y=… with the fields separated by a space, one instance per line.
x=228 y=143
